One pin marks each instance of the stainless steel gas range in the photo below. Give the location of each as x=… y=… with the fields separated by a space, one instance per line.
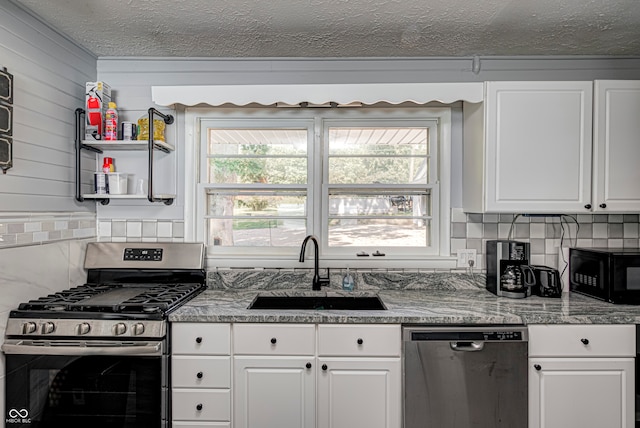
x=98 y=354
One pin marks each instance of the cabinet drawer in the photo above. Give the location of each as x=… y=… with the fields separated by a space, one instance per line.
x=201 y=405
x=200 y=372
x=582 y=340
x=274 y=339
x=359 y=340
x=200 y=338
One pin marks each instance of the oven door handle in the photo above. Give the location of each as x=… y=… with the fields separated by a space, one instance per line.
x=20 y=348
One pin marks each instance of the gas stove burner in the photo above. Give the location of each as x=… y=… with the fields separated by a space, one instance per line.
x=116 y=298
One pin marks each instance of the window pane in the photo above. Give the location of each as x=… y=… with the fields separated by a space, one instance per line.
x=255 y=218
x=385 y=170
x=275 y=156
x=258 y=170
x=378 y=155
x=379 y=141
x=257 y=141
x=256 y=232
x=392 y=232
x=376 y=205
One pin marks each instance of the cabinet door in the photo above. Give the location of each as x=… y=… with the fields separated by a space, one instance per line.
x=617 y=146
x=274 y=392
x=581 y=393
x=359 y=393
x=538 y=146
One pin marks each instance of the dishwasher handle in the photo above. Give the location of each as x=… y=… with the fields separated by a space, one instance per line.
x=466 y=346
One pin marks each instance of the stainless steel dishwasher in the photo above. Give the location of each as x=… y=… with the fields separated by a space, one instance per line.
x=465 y=377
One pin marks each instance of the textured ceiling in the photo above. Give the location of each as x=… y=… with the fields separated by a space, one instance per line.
x=346 y=28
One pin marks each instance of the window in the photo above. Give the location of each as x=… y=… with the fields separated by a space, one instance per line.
x=368 y=182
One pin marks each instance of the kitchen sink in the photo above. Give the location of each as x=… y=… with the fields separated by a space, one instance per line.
x=339 y=302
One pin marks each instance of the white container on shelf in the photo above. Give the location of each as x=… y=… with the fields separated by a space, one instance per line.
x=118 y=182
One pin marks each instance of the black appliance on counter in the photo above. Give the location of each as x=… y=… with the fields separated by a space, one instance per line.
x=97 y=355
x=548 y=282
x=508 y=270
x=611 y=274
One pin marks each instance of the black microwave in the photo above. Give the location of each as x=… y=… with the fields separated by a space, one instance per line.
x=611 y=274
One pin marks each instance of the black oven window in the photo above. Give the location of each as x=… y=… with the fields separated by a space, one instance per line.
x=633 y=278
x=92 y=391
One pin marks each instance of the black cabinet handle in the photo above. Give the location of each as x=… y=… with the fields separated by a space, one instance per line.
x=360 y=341
x=584 y=341
x=198 y=340
x=603 y=205
x=588 y=206
x=274 y=340
x=199 y=375
x=537 y=367
x=324 y=367
x=199 y=407
x=308 y=365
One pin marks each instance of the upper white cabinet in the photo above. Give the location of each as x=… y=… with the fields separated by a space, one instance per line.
x=616 y=153
x=528 y=148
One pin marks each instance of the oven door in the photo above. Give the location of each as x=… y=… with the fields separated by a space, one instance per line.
x=62 y=386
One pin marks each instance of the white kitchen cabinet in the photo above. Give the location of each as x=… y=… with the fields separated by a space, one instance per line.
x=528 y=148
x=352 y=378
x=201 y=374
x=359 y=376
x=581 y=376
x=616 y=146
x=359 y=392
x=274 y=375
x=274 y=392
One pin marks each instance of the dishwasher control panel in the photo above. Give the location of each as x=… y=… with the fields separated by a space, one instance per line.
x=469 y=335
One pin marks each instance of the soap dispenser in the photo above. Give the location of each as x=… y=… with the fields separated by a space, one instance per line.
x=348 y=283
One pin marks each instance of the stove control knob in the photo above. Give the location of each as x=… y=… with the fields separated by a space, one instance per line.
x=120 y=329
x=48 y=327
x=29 y=327
x=138 y=329
x=83 y=328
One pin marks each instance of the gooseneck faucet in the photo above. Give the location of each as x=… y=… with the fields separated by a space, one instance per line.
x=317 y=281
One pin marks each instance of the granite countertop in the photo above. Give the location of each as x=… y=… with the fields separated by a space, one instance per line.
x=415 y=298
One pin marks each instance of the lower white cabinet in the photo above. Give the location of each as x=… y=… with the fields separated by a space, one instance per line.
x=581 y=376
x=351 y=379
x=200 y=375
x=359 y=392
x=274 y=392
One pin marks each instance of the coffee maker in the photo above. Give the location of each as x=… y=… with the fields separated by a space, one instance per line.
x=508 y=270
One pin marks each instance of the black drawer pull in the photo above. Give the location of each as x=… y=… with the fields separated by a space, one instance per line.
x=199 y=375
x=198 y=340
x=588 y=206
x=537 y=367
x=308 y=365
x=199 y=407
x=324 y=367
x=584 y=341
x=274 y=340
x=360 y=341
x=603 y=205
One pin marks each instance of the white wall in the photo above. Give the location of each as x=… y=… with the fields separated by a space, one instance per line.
x=49 y=74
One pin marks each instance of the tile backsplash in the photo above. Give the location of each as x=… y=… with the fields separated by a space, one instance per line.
x=21 y=229
x=129 y=230
x=468 y=231
x=545 y=234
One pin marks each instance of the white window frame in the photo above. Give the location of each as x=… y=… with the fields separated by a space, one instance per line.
x=195 y=185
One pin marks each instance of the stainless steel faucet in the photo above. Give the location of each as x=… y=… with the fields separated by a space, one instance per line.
x=317 y=281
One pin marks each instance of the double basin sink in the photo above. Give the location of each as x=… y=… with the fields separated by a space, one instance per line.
x=326 y=301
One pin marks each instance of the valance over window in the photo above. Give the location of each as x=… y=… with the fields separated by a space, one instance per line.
x=318 y=94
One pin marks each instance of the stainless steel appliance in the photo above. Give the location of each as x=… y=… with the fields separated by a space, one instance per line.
x=98 y=354
x=508 y=273
x=547 y=282
x=611 y=274
x=464 y=377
